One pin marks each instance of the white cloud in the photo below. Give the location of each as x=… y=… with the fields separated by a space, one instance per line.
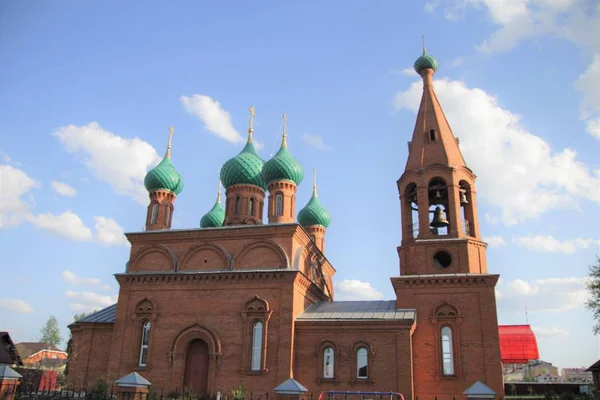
x=216 y=119
x=518 y=170
x=549 y=332
x=14 y=185
x=353 y=289
x=15 y=305
x=589 y=86
x=494 y=241
x=63 y=189
x=68 y=224
x=550 y=244
x=120 y=162
x=89 y=301
x=109 y=232
x=409 y=71
x=543 y=295
x=458 y=61
x=315 y=141
x=73 y=279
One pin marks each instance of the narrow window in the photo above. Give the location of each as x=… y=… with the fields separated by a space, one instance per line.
x=144 y=343
x=313 y=238
x=168 y=216
x=154 y=213
x=328 y=360
x=362 y=363
x=257 y=337
x=432 y=135
x=279 y=205
x=237 y=206
x=251 y=206
x=447 y=356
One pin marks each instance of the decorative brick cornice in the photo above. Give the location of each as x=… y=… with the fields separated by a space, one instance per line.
x=193 y=278
x=446 y=280
x=311 y=288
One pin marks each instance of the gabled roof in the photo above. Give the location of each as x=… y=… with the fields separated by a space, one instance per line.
x=104 y=316
x=479 y=390
x=291 y=386
x=9 y=373
x=132 y=380
x=518 y=344
x=8 y=351
x=356 y=310
x=27 y=349
x=594 y=367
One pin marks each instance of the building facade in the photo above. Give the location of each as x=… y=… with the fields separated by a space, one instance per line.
x=250 y=299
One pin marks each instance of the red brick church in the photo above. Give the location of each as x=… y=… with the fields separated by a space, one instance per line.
x=243 y=299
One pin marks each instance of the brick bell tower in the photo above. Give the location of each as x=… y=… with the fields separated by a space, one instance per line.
x=443 y=259
x=163 y=183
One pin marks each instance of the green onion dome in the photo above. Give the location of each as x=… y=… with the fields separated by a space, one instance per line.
x=245 y=168
x=283 y=166
x=215 y=217
x=314 y=213
x=164 y=176
x=426 y=61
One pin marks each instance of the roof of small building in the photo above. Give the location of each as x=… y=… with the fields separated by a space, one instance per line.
x=8 y=351
x=518 y=344
x=27 y=349
x=291 y=386
x=356 y=310
x=479 y=389
x=104 y=316
x=9 y=373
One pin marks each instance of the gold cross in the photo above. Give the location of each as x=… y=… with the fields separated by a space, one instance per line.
x=284 y=124
x=252 y=115
x=171 y=131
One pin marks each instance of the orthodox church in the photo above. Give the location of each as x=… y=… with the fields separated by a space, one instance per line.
x=243 y=299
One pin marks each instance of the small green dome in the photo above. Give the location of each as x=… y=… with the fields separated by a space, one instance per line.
x=244 y=169
x=426 y=61
x=314 y=213
x=214 y=218
x=283 y=166
x=164 y=177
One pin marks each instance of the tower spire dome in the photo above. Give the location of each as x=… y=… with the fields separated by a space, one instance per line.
x=426 y=61
x=283 y=166
x=314 y=213
x=164 y=176
x=215 y=217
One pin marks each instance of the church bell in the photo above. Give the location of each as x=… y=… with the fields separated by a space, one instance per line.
x=439 y=219
x=463 y=198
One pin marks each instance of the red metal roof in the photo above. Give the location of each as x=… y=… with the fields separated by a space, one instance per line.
x=517 y=344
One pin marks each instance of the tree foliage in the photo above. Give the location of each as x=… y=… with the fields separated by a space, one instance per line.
x=593 y=285
x=50 y=332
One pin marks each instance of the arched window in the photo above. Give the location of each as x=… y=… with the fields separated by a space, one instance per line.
x=168 y=216
x=237 y=206
x=279 y=205
x=154 y=216
x=251 y=206
x=447 y=355
x=362 y=363
x=328 y=363
x=144 y=344
x=257 y=338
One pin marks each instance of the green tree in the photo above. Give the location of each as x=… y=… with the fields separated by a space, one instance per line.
x=50 y=332
x=593 y=285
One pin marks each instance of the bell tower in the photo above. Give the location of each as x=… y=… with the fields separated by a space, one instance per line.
x=440 y=229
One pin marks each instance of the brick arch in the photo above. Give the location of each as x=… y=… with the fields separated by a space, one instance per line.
x=256 y=304
x=268 y=255
x=145 y=306
x=211 y=250
x=193 y=332
x=154 y=257
x=446 y=309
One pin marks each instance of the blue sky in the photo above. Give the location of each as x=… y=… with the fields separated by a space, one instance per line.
x=89 y=90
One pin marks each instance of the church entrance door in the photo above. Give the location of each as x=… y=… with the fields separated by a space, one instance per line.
x=196 y=368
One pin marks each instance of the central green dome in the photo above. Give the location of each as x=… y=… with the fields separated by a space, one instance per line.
x=283 y=166
x=426 y=61
x=244 y=169
x=164 y=176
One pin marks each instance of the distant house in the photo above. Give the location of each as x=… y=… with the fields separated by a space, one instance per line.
x=41 y=354
x=8 y=352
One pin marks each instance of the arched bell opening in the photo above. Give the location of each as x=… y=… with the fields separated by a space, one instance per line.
x=438 y=204
x=466 y=206
x=412 y=211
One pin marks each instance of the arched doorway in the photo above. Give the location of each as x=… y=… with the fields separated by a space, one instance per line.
x=195 y=377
